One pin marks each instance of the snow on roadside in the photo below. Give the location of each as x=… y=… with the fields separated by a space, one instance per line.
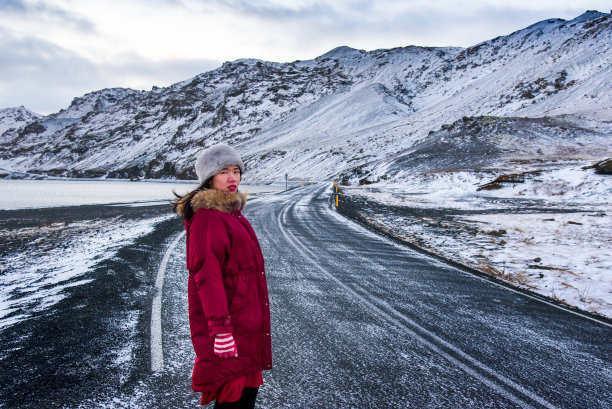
x=549 y=234
x=562 y=185
x=565 y=256
x=32 y=279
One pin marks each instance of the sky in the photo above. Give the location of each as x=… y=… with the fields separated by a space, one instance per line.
x=52 y=51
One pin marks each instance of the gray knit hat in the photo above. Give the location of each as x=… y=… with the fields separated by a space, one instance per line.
x=214 y=158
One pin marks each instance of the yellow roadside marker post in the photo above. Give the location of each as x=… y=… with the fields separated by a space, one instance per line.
x=336 y=186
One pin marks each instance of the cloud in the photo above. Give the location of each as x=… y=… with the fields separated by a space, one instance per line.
x=283 y=10
x=303 y=29
x=25 y=9
x=142 y=73
x=383 y=11
x=44 y=77
x=41 y=75
x=13 y=5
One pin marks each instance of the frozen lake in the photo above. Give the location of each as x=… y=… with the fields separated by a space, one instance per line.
x=24 y=194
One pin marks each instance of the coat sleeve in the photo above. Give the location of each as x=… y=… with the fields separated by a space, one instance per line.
x=208 y=246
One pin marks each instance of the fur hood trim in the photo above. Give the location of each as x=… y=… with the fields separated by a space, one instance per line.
x=227 y=202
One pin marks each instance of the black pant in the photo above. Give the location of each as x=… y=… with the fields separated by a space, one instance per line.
x=247 y=400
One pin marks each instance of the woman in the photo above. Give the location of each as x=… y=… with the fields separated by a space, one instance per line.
x=229 y=313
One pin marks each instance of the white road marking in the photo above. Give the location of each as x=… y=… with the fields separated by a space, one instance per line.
x=157 y=353
x=388 y=312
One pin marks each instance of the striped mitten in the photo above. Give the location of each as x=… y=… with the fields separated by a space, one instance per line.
x=225 y=347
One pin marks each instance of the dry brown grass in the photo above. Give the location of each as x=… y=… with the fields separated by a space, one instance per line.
x=541 y=267
x=490 y=186
x=519 y=278
x=550 y=268
x=486 y=267
x=510 y=178
x=496 y=233
x=583 y=293
x=557 y=296
x=523 y=279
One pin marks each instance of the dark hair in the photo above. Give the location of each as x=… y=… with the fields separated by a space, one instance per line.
x=185 y=200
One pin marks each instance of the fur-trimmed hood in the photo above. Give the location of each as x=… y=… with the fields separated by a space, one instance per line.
x=227 y=202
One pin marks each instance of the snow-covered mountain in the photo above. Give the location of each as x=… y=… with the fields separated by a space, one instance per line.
x=348 y=113
x=11 y=118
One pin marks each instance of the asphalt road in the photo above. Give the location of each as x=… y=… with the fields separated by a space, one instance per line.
x=358 y=321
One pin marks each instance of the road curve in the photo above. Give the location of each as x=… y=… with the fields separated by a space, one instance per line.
x=360 y=321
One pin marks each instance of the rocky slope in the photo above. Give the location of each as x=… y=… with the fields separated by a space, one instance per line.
x=349 y=113
x=11 y=118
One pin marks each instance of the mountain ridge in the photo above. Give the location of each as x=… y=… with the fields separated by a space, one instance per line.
x=318 y=119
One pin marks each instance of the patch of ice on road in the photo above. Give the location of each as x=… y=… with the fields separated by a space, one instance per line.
x=124 y=352
x=34 y=278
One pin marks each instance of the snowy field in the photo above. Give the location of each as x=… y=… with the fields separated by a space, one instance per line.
x=549 y=233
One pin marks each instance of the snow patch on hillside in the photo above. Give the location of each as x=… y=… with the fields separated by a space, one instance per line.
x=11 y=118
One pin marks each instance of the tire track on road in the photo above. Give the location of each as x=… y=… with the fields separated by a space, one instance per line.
x=472 y=366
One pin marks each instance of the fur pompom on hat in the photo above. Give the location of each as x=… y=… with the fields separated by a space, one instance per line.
x=214 y=158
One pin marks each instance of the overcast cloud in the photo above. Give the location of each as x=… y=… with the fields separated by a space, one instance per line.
x=54 y=50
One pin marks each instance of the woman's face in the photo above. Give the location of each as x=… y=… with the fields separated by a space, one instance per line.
x=227 y=179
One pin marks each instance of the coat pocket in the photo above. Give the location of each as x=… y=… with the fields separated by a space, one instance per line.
x=246 y=292
x=239 y=301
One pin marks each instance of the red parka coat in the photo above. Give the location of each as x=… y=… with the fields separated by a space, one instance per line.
x=227 y=289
